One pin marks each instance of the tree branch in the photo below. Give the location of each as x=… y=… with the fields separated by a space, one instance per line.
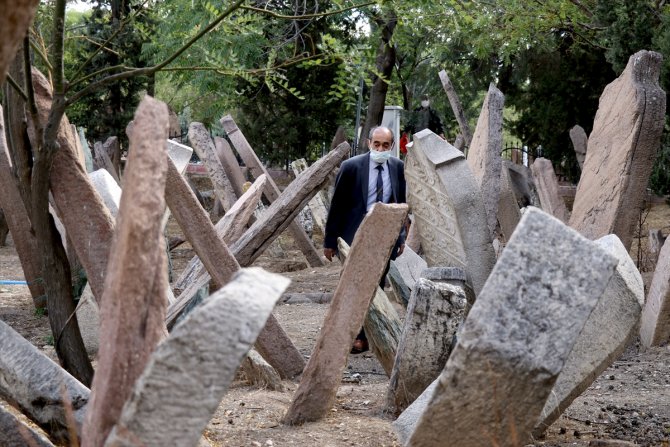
x=16 y=87
x=305 y=16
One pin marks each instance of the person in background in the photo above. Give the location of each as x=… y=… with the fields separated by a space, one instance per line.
x=425 y=117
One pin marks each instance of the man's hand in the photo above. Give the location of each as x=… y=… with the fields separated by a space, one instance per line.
x=329 y=253
x=401 y=249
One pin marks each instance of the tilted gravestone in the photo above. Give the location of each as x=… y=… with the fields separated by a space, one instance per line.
x=610 y=327
x=35 y=384
x=579 y=142
x=547 y=188
x=16 y=433
x=621 y=151
x=448 y=208
x=382 y=324
x=404 y=272
x=434 y=314
x=508 y=207
x=230 y=165
x=370 y=251
x=316 y=205
x=516 y=338
x=271 y=191
x=133 y=306
x=484 y=152
x=188 y=375
x=655 y=328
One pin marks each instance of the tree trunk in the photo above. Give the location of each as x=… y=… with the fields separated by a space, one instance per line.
x=384 y=64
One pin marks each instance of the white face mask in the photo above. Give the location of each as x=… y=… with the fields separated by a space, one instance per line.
x=425 y=103
x=379 y=156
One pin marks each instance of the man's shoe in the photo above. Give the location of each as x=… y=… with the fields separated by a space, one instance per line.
x=360 y=346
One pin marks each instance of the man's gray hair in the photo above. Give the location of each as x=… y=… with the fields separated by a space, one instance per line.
x=381 y=127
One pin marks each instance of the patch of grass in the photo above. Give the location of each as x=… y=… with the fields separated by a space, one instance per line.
x=49 y=340
x=40 y=311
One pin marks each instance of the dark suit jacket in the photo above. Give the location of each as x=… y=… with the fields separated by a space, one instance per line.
x=348 y=207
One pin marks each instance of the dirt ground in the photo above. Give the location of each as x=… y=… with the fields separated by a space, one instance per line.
x=629 y=401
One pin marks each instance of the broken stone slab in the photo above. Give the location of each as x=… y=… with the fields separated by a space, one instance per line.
x=522 y=185
x=404 y=271
x=204 y=147
x=18 y=222
x=260 y=373
x=316 y=205
x=579 y=143
x=229 y=228
x=508 y=208
x=621 y=151
x=610 y=327
x=448 y=208
x=517 y=337
x=655 y=327
x=16 y=433
x=547 y=188
x=108 y=188
x=434 y=314
x=484 y=152
x=34 y=383
x=450 y=275
x=370 y=251
x=190 y=372
x=133 y=306
x=286 y=206
x=404 y=425
x=102 y=161
x=87 y=220
x=272 y=191
x=382 y=324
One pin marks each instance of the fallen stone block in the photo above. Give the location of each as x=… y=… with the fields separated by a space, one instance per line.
x=260 y=373
x=403 y=273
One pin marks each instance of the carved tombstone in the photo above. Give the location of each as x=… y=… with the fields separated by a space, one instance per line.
x=484 y=154
x=448 y=208
x=579 y=143
x=621 y=151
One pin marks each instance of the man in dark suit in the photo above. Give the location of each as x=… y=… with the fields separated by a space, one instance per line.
x=364 y=180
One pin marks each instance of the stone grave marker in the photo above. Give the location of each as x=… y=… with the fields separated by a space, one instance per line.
x=621 y=151
x=35 y=384
x=508 y=208
x=655 y=328
x=448 y=208
x=230 y=165
x=370 y=251
x=547 y=188
x=434 y=314
x=484 y=153
x=85 y=148
x=579 y=143
x=404 y=271
x=271 y=191
x=133 y=306
x=456 y=106
x=610 y=327
x=517 y=337
x=102 y=161
x=187 y=376
x=316 y=205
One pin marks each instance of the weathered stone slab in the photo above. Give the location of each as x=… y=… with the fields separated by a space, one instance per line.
x=517 y=337
x=18 y=222
x=85 y=149
x=522 y=185
x=508 y=208
x=16 y=433
x=404 y=425
x=133 y=307
x=607 y=332
x=547 y=188
x=190 y=372
x=656 y=241
x=204 y=147
x=101 y=160
x=434 y=314
x=316 y=205
x=448 y=208
x=621 y=152
x=272 y=191
x=108 y=188
x=88 y=222
x=451 y=275
x=260 y=373
x=286 y=206
x=370 y=251
x=35 y=384
x=404 y=272
x=382 y=324
x=484 y=153
x=579 y=143
x=14 y=22
x=413 y=240
x=230 y=165
x=229 y=228
x=655 y=328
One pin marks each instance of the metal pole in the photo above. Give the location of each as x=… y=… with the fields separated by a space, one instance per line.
x=358 y=116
